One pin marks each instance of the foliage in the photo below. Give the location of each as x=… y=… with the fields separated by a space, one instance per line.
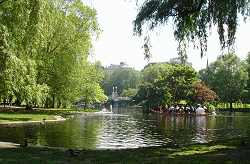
x=147 y=96
x=179 y=80
x=105 y=83
x=91 y=90
x=146 y=47
x=123 y=79
x=193 y=19
x=174 y=86
x=44 y=50
x=129 y=93
x=154 y=71
x=228 y=77
x=201 y=93
x=210 y=107
x=247 y=93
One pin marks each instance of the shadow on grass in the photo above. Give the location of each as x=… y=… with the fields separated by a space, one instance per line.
x=15 y=119
x=215 y=152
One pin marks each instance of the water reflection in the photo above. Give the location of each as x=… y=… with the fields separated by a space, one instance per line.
x=128 y=128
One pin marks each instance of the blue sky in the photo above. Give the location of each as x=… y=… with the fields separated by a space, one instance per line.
x=117 y=43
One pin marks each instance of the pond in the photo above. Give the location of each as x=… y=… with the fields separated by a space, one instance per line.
x=129 y=128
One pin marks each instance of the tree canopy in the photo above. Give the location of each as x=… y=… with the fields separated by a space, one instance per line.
x=179 y=81
x=44 y=46
x=200 y=93
x=154 y=71
x=174 y=85
x=227 y=76
x=192 y=19
x=122 y=78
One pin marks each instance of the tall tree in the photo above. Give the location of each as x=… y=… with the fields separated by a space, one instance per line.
x=19 y=39
x=44 y=49
x=179 y=80
x=174 y=86
x=90 y=91
x=228 y=77
x=149 y=95
x=193 y=18
x=154 y=71
x=68 y=33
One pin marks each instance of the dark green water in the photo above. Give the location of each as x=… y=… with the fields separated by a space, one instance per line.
x=128 y=128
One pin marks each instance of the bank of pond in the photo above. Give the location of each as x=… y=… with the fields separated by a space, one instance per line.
x=223 y=151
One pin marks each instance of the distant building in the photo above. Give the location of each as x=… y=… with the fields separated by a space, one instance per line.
x=114 y=67
x=178 y=61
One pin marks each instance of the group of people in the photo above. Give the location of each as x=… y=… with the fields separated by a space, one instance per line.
x=182 y=110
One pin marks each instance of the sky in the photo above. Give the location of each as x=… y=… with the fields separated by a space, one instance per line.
x=117 y=44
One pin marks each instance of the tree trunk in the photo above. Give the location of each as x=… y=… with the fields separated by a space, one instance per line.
x=28 y=107
x=86 y=101
x=231 y=106
x=53 y=101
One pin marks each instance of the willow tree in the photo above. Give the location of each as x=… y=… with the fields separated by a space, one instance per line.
x=44 y=47
x=18 y=46
x=68 y=30
x=191 y=19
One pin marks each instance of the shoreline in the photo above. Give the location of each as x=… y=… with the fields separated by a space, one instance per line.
x=20 y=117
x=224 y=151
x=57 y=117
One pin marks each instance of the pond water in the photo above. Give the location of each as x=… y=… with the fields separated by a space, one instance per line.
x=129 y=128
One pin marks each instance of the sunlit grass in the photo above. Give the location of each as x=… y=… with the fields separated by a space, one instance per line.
x=37 y=114
x=214 y=152
x=13 y=117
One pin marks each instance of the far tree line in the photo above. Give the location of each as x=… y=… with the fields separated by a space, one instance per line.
x=225 y=80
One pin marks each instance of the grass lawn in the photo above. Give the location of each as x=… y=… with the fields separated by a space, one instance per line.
x=19 y=114
x=12 y=117
x=227 y=151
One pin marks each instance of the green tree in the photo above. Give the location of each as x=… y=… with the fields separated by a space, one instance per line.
x=193 y=18
x=64 y=56
x=123 y=79
x=179 y=80
x=90 y=90
x=174 y=86
x=131 y=92
x=44 y=49
x=146 y=96
x=19 y=40
x=228 y=77
x=247 y=93
x=154 y=71
x=105 y=83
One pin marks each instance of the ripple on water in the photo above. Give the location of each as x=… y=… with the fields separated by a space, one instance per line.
x=118 y=131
